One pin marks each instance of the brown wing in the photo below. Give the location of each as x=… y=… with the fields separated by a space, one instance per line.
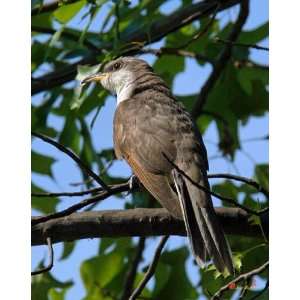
x=143 y=135
x=158 y=185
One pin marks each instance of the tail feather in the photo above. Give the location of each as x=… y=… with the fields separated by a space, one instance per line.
x=203 y=229
x=193 y=233
x=221 y=247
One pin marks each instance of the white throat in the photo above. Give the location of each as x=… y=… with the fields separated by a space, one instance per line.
x=125 y=92
x=123 y=82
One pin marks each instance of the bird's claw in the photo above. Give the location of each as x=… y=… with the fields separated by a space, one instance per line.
x=133 y=183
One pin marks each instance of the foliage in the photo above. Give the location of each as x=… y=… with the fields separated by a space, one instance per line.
x=64 y=36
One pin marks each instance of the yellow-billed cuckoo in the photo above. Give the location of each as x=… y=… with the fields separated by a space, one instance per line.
x=159 y=140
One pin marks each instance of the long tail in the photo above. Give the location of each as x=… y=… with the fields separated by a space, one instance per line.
x=206 y=237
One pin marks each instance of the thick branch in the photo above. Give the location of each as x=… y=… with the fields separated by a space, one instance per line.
x=156 y=31
x=222 y=59
x=135 y=222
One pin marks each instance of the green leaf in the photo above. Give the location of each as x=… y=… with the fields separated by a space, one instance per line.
x=45 y=205
x=177 y=278
x=226 y=188
x=95 y=100
x=81 y=93
x=84 y=71
x=40 y=114
x=70 y=135
x=66 y=12
x=162 y=275
x=42 y=283
x=88 y=153
x=237 y=261
x=246 y=77
x=68 y=249
x=55 y=294
x=255 y=258
x=168 y=67
x=42 y=20
x=106 y=243
x=256 y=35
x=101 y=270
x=262 y=175
x=41 y=163
x=229 y=100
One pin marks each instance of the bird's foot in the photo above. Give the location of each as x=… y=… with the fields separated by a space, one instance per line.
x=134 y=183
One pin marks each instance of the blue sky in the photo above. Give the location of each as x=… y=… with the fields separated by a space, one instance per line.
x=190 y=81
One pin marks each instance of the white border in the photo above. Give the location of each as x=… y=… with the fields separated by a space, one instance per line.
x=15 y=149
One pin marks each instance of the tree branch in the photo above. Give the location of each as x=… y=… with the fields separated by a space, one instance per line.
x=67 y=194
x=101 y=194
x=156 y=31
x=73 y=156
x=207 y=190
x=51 y=256
x=118 y=188
x=136 y=222
x=130 y=276
x=68 y=35
x=176 y=52
x=151 y=270
x=261 y=292
x=236 y=44
x=248 y=181
x=245 y=276
x=222 y=60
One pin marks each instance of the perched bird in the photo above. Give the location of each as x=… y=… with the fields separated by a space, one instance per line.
x=159 y=140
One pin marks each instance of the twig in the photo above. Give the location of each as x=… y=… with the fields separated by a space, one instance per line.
x=248 y=181
x=67 y=194
x=222 y=60
x=204 y=30
x=255 y=139
x=177 y=52
x=150 y=270
x=101 y=196
x=51 y=256
x=223 y=198
x=249 y=64
x=69 y=35
x=260 y=292
x=232 y=43
x=245 y=289
x=117 y=14
x=80 y=183
x=130 y=276
x=245 y=276
x=72 y=155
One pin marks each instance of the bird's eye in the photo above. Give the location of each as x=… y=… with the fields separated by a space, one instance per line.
x=116 y=66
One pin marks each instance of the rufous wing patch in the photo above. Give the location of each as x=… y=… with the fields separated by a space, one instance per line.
x=157 y=185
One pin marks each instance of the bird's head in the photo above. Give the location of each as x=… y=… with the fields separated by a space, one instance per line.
x=120 y=74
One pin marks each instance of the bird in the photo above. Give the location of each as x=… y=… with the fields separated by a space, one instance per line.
x=159 y=140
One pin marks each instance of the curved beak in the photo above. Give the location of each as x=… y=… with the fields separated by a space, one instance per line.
x=94 y=77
